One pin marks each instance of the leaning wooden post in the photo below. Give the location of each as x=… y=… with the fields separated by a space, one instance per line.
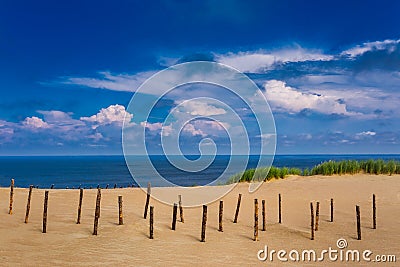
x=331 y=209
x=203 y=224
x=46 y=199
x=78 y=220
x=280 y=208
x=174 y=212
x=147 y=200
x=120 y=218
x=263 y=215
x=373 y=212
x=312 y=221
x=358 y=223
x=220 y=213
x=151 y=222
x=97 y=212
x=255 y=219
x=316 y=216
x=11 y=196
x=28 y=204
x=181 y=208
x=237 y=208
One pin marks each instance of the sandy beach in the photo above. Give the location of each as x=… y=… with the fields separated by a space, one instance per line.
x=69 y=244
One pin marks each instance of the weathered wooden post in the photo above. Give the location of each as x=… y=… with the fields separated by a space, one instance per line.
x=151 y=222
x=181 y=208
x=280 y=208
x=97 y=212
x=174 y=212
x=147 y=200
x=312 y=221
x=120 y=218
x=255 y=219
x=358 y=222
x=263 y=215
x=331 y=209
x=11 y=196
x=28 y=204
x=316 y=216
x=373 y=212
x=78 y=220
x=203 y=224
x=237 y=208
x=46 y=199
x=220 y=213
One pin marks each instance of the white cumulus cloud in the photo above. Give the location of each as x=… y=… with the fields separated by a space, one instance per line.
x=288 y=99
x=190 y=128
x=157 y=126
x=35 y=123
x=112 y=114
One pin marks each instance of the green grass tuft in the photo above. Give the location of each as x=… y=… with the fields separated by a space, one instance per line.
x=378 y=166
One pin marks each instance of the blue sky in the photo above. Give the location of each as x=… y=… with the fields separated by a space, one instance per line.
x=330 y=70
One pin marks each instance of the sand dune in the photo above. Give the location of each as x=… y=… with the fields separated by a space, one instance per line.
x=67 y=243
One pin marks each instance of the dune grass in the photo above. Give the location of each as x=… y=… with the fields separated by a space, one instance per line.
x=263 y=174
x=378 y=166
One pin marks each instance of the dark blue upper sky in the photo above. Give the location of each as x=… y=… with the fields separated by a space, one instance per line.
x=338 y=60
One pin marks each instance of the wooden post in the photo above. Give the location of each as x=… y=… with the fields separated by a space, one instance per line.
x=316 y=216
x=203 y=224
x=237 y=208
x=373 y=212
x=46 y=199
x=331 y=209
x=78 y=221
x=174 y=212
x=147 y=200
x=255 y=219
x=181 y=208
x=28 y=204
x=312 y=221
x=263 y=215
x=97 y=212
x=358 y=223
x=151 y=222
x=280 y=208
x=220 y=213
x=11 y=196
x=120 y=220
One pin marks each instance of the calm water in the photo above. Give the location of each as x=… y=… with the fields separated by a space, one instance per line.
x=87 y=171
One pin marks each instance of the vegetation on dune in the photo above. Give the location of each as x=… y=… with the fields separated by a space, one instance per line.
x=262 y=174
x=326 y=168
x=353 y=167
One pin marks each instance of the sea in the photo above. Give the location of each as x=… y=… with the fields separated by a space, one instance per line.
x=109 y=171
